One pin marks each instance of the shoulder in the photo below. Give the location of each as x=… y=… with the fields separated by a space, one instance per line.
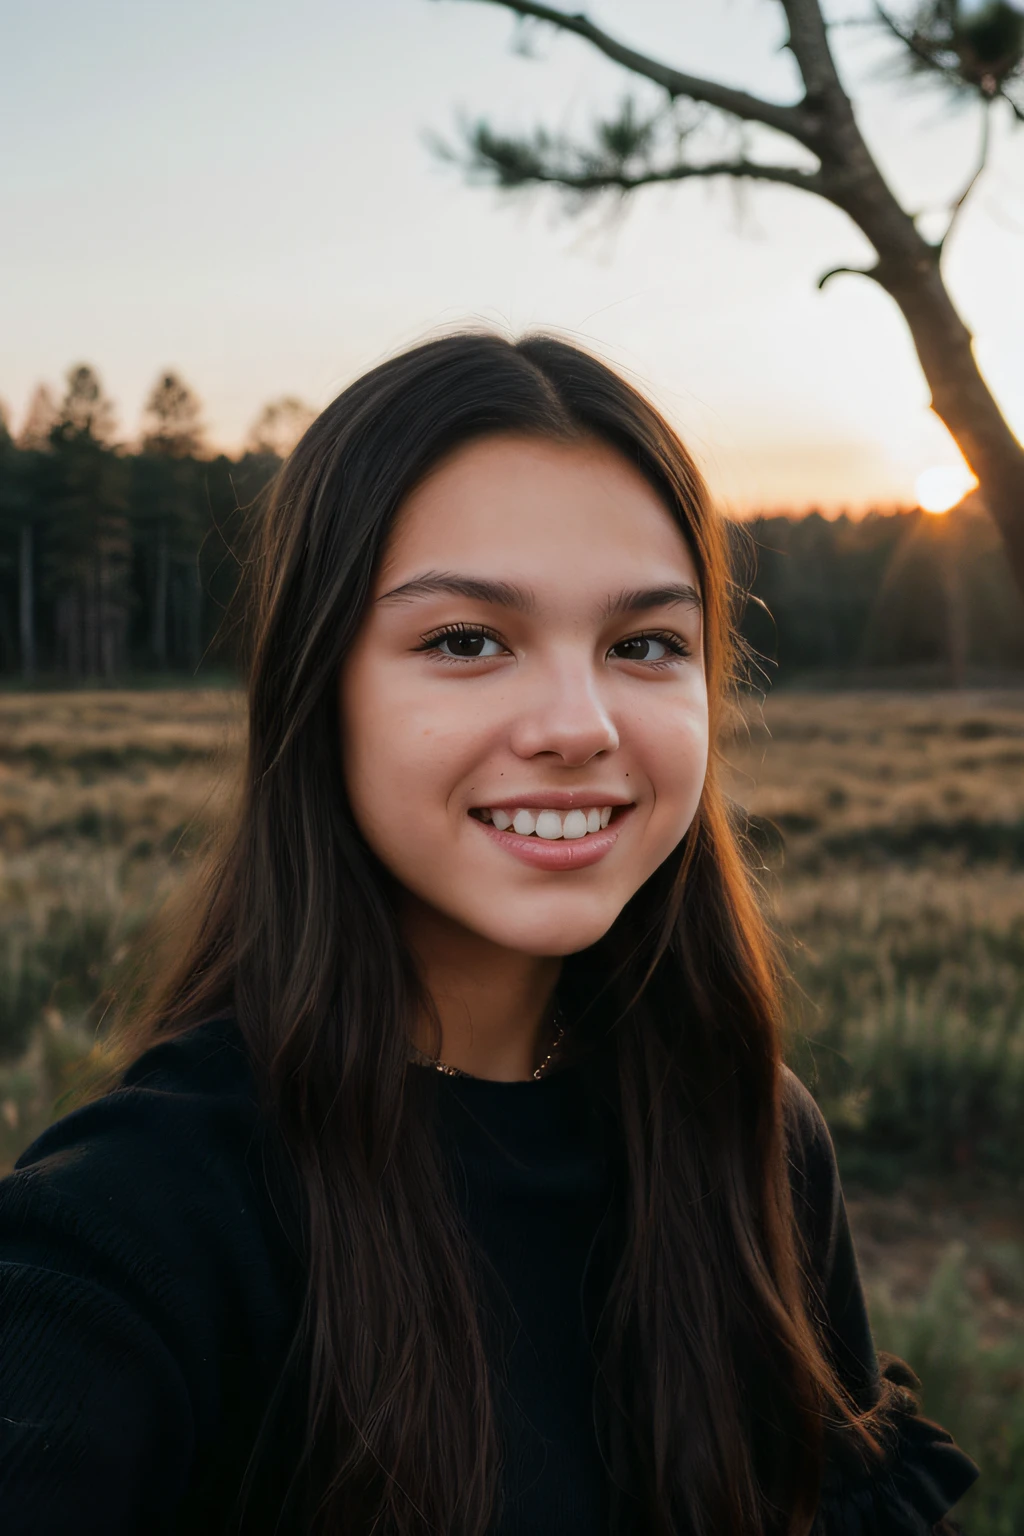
x=210 y=1060
x=193 y=1080
x=163 y=1185
x=808 y=1137
x=813 y=1174
x=805 y=1123
x=180 y=1102
x=149 y=1291
x=812 y=1157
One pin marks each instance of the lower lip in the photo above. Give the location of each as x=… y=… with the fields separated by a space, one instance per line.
x=558 y=853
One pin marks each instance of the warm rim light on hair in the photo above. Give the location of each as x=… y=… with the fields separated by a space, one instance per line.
x=939 y=489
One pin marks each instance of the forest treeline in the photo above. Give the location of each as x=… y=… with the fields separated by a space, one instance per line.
x=117 y=564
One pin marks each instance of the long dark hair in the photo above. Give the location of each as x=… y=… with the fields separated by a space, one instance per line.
x=707 y=1325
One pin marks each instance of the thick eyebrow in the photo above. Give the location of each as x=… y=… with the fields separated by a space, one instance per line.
x=478 y=588
x=507 y=594
x=653 y=597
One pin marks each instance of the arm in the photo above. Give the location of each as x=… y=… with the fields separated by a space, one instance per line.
x=137 y=1303
x=923 y=1473
x=97 y=1431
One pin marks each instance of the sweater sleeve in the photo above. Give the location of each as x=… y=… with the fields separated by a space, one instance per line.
x=922 y=1473
x=136 y=1300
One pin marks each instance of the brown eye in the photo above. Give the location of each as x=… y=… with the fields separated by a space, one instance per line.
x=646 y=648
x=465 y=645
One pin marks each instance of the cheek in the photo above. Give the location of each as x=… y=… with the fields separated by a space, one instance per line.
x=401 y=755
x=370 y=756
x=674 y=753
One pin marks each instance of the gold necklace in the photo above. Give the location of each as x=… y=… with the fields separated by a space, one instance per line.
x=537 y=1073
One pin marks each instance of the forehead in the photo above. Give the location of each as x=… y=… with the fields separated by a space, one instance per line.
x=510 y=505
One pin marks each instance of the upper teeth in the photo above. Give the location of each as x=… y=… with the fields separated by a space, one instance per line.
x=550 y=824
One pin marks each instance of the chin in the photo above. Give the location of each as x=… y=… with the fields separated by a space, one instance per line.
x=551 y=934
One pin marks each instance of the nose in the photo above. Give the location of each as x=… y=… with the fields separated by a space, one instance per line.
x=565 y=715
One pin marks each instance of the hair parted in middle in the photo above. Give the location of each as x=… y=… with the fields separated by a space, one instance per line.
x=708 y=1323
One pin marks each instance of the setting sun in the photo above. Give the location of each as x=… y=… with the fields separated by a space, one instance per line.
x=939 y=489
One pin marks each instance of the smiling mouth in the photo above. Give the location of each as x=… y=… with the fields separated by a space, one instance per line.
x=550 y=825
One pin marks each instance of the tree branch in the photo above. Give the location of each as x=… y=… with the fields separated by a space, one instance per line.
x=847 y=271
x=913 y=46
x=751 y=109
x=599 y=180
x=808 y=43
x=982 y=162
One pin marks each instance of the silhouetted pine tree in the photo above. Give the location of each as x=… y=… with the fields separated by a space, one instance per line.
x=23 y=493
x=88 y=555
x=167 y=507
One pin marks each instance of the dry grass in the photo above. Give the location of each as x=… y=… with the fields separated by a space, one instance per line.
x=103 y=797
x=861 y=775
x=117 y=769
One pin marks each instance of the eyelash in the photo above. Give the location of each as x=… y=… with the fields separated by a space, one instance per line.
x=673 y=642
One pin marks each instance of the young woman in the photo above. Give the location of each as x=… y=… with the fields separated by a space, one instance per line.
x=455 y=1184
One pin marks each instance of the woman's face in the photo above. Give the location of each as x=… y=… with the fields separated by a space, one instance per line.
x=524 y=710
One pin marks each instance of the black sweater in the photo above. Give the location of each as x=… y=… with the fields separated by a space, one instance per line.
x=150 y=1284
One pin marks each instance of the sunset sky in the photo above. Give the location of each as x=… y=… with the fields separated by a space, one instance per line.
x=240 y=190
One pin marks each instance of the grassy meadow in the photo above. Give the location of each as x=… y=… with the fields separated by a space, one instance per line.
x=888 y=830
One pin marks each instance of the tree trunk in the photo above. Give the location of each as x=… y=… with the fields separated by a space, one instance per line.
x=26 y=610
x=908 y=269
x=195 y=618
x=70 y=626
x=159 y=629
x=91 y=617
x=107 y=621
x=956 y=612
x=962 y=399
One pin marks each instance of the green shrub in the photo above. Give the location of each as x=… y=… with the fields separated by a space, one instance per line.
x=975 y=1390
x=916 y=1089
x=65 y=967
x=911 y=1035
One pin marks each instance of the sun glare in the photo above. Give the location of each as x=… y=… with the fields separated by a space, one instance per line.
x=939 y=489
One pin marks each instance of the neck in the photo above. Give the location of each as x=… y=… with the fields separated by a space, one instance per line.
x=495 y=1006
